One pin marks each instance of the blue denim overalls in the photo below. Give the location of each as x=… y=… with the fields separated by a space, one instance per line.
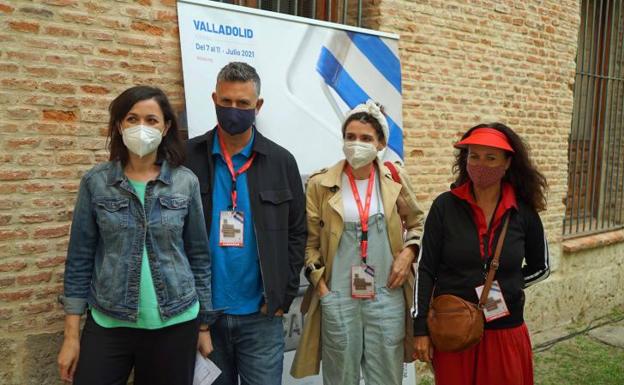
x=363 y=333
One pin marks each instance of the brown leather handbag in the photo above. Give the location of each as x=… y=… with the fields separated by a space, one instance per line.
x=456 y=324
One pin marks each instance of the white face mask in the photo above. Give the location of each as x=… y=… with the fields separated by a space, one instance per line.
x=141 y=140
x=358 y=153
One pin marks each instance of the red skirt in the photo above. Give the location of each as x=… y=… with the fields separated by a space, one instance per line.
x=502 y=357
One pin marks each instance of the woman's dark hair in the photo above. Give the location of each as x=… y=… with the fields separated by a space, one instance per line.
x=170 y=149
x=365 y=117
x=528 y=183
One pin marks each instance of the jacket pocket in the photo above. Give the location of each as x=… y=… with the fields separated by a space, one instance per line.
x=112 y=213
x=173 y=211
x=274 y=205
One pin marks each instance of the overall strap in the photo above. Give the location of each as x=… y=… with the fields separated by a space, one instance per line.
x=393 y=171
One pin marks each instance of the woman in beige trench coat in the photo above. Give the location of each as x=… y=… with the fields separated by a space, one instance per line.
x=401 y=221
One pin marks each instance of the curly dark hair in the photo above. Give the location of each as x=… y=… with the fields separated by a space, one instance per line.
x=171 y=148
x=529 y=184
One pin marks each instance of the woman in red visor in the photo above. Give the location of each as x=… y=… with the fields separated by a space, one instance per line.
x=496 y=181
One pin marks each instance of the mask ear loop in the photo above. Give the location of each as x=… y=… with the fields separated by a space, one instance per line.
x=118 y=130
x=165 y=131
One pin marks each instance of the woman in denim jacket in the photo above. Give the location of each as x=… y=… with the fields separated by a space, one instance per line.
x=138 y=257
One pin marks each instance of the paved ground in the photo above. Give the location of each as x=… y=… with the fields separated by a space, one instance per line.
x=610 y=334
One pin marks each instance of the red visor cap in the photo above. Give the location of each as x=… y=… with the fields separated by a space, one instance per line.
x=486 y=137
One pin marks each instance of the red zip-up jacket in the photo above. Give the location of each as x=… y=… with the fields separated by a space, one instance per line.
x=457 y=247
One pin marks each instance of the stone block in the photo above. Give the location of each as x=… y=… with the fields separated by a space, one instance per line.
x=610 y=334
x=8 y=363
x=39 y=365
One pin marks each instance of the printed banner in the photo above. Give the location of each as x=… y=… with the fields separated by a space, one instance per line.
x=312 y=73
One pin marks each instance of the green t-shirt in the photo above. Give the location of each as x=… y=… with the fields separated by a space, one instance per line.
x=149 y=314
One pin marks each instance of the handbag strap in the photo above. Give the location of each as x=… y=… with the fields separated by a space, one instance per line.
x=494 y=264
x=397 y=178
x=393 y=171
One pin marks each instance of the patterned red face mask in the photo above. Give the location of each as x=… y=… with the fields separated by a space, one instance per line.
x=484 y=176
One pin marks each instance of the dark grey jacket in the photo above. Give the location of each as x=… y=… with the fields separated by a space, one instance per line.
x=453 y=261
x=278 y=209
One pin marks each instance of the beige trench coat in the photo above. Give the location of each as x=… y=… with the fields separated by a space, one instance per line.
x=325 y=226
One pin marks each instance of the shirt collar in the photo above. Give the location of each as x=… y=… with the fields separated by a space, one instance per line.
x=246 y=151
x=508 y=198
x=116 y=173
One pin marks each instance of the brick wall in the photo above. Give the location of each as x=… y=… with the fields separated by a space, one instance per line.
x=62 y=61
x=470 y=62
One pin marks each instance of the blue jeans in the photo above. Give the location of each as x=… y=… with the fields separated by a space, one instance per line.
x=249 y=346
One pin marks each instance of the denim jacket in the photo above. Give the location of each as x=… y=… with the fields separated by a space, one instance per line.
x=109 y=230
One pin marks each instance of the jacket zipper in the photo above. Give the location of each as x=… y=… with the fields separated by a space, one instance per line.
x=486 y=249
x=265 y=294
x=251 y=209
x=486 y=238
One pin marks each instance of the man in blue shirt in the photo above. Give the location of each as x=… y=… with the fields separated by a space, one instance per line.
x=237 y=271
x=254 y=209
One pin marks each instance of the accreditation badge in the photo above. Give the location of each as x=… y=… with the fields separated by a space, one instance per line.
x=362 y=281
x=231 y=226
x=495 y=307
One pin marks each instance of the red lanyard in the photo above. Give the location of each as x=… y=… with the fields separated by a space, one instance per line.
x=230 y=166
x=364 y=211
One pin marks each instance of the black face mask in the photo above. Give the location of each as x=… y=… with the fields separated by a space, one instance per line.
x=233 y=120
